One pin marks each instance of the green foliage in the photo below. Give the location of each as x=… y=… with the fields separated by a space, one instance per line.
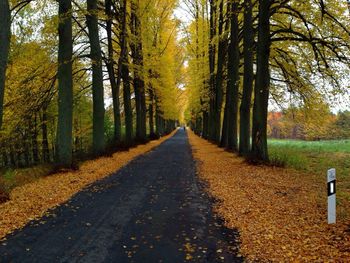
x=342 y=146
x=343 y=124
x=287 y=157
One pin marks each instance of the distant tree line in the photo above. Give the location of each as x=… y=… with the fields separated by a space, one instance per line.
x=295 y=123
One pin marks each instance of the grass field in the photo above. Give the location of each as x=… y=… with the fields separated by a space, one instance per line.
x=316 y=157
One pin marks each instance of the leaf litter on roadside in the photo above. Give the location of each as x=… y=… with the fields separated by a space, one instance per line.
x=280 y=213
x=32 y=201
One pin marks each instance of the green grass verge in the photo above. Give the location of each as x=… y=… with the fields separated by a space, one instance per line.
x=316 y=158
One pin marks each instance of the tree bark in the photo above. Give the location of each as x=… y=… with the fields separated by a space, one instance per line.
x=123 y=74
x=224 y=133
x=65 y=85
x=205 y=124
x=205 y=115
x=212 y=56
x=98 y=141
x=26 y=148
x=110 y=67
x=127 y=102
x=151 y=113
x=233 y=80
x=5 y=33
x=45 y=141
x=218 y=89
x=262 y=83
x=248 y=52
x=5 y=158
x=35 y=147
x=139 y=84
x=159 y=119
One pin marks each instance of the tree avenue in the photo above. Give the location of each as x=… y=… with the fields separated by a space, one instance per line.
x=83 y=78
x=258 y=54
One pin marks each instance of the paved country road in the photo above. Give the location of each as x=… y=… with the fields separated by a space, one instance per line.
x=152 y=210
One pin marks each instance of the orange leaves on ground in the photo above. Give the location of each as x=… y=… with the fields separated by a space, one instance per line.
x=280 y=213
x=31 y=201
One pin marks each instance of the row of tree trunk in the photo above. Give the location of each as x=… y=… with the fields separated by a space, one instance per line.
x=232 y=128
x=117 y=77
x=124 y=62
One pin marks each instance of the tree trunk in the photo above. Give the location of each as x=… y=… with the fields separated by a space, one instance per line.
x=212 y=56
x=5 y=158
x=98 y=143
x=233 y=80
x=205 y=124
x=159 y=123
x=262 y=83
x=139 y=84
x=45 y=141
x=151 y=113
x=5 y=32
x=204 y=103
x=110 y=67
x=224 y=133
x=218 y=90
x=12 y=157
x=26 y=148
x=35 y=146
x=123 y=73
x=127 y=99
x=248 y=46
x=65 y=85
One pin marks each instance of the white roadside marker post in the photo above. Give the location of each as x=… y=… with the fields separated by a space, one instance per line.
x=331 y=179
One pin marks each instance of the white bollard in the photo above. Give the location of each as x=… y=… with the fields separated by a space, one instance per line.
x=331 y=179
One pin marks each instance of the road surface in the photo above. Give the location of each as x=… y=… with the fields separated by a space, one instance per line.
x=153 y=210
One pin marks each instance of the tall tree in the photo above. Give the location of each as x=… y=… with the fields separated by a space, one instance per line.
x=65 y=85
x=219 y=76
x=45 y=140
x=139 y=83
x=5 y=32
x=262 y=84
x=212 y=56
x=151 y=113
x=115 y=86
x=231 y=108
x=98 y=143
x=248 y=78
x=123 y=67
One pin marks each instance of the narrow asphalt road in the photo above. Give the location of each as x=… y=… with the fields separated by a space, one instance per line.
x=152 y=210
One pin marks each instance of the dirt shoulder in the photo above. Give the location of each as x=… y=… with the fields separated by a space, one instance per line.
x=31 y=201
x=280 y=213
